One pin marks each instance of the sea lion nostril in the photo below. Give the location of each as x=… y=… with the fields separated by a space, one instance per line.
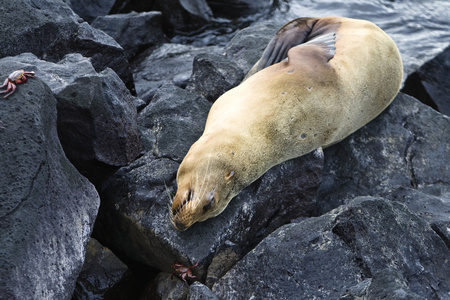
x=180 y=227
x=189 y=195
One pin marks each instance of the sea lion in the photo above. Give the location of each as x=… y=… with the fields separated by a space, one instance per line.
x=318 y=81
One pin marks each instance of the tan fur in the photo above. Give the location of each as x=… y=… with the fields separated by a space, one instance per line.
x=312 y=100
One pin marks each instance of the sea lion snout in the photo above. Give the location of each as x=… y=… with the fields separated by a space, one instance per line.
x=190 y=206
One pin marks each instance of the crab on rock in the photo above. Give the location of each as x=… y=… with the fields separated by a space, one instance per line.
x=182 y=271
x=16 y=77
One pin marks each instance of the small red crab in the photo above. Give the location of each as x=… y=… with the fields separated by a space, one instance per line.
x=182 y=271
x=16 y=77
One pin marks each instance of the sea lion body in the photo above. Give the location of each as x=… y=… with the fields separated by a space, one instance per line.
x=339 y=74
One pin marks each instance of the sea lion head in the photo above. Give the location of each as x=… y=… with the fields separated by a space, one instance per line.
x=206 y=184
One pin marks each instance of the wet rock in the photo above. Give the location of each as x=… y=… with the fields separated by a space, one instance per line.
x=104 y=276
x=50 y=29
x=372 y=247
x=89 y=10
x=198 y=291
x=390 y=284
x=164 y=121
x=136 y=198
x=133 y=31
x=97 y=118
x=213 y=75
x=167 y=64
x=47 y=208
x=97 y=123
x=246 y=47
x=431 y=83
x=179 y=16
x=238 y=8
x=400 y=156
x=164 y=286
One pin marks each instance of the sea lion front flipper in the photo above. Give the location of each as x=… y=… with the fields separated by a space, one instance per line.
x=290 y=35
x=302 y=31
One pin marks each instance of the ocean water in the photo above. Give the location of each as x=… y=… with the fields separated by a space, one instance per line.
x=420 y=28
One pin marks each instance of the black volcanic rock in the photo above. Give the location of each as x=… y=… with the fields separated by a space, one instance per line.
x=89 y=10
x=47 y=209
x=179 y=16
x=431 y=82
x=97 y=117
x=400 y=156
x=165 y=64
x=50 y=29
x=213 y=75
x=369 y=249
x=134 y=31
x=237 y=8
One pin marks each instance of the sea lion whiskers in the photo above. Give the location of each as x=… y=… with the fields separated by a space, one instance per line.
x=170 y=204
x=196 y=197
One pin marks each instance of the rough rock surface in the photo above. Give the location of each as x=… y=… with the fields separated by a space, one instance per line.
x=169 y=63
x=136 y=197
x=97 y=117
x=238 y=8
x=163 y=286
x=369 y=249
x=47 y=209
x=50 y=29
x=431 y=83
x=179 y=16
x=248 y=44
x=198 y=291
x=133 y=31
x=89 y=10
x=213 y=75
x=400 y=156
x=104 y=276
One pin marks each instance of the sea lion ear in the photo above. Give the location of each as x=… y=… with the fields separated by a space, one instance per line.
x=229 y=175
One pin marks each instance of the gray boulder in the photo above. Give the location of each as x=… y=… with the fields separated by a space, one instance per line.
x=213 y=75
x=163 y=286
x=246 y=47
x=89 y=10
x=97 y=117
x=104 y=276
x=198 y=291
x=400 y=156
x=50 y=29
x=166 y=64
x=179 y=16
x=172 y=122
x=369 y=249
x=47 y=209
x=431 y=82
x=133 y=31
x=238 y=8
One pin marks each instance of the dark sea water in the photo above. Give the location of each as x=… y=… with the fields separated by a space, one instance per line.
x=420 y=28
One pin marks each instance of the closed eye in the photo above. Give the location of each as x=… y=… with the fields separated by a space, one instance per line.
x=210 y=200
